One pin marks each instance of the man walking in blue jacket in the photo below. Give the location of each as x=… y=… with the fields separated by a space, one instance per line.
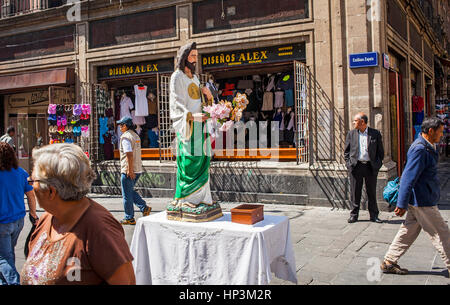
x=419 y=194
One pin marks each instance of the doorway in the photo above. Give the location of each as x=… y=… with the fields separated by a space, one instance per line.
x=397 y=120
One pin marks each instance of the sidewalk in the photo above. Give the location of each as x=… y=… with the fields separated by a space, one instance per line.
x=328 y=250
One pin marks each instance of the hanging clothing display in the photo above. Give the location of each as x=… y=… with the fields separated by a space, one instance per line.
x=267 y=101
x=289 y=97
x=228 y=90
x=417 y=103
x=279 y=99
x=285 y=82
x=102 y=100
x=289 y=132
x=141 y=103
x=125 y=106
x=137 y=119
x=152 y=104
x=271 y=84
x=214 y=90
x=103 y=123
x=108 y=147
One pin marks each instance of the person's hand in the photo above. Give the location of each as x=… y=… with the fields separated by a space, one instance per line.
x=207 y=92
x=131 y=175
x=399 y=212
x=200 y=117
x=33 y=218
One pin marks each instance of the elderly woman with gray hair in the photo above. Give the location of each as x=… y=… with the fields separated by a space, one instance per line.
x=77 y=241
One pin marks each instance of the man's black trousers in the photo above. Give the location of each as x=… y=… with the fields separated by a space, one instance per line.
x=363 y=172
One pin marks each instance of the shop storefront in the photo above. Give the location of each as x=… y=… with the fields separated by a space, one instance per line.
x=130 y=89
x=273 y=78
x=26 y=98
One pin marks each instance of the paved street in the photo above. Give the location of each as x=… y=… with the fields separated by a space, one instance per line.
x=328 y=250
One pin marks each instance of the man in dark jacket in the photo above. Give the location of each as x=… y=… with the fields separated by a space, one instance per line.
x=363 y=156
x=419 y=192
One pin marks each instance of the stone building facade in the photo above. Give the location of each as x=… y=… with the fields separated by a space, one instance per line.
x=76 y=46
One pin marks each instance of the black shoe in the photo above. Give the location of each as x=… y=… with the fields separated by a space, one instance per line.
x=352 y=219
x=376 y=219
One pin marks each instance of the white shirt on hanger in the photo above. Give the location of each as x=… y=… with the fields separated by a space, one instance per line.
x=125 y=106
x=141 y=100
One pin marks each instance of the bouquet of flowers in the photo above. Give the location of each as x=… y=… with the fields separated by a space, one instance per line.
x=226 y=113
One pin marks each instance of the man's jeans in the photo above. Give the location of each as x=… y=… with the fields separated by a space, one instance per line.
x=130 y=196
x=9 y=233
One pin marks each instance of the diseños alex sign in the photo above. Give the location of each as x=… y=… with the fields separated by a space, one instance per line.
x=135 y=69
x=254 y=56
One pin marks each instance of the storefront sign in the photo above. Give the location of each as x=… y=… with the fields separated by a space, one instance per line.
x=135 y=69
x=386 y=63
x=62 y=95
x=362 y=60
x=254 y=56
x=27 y=99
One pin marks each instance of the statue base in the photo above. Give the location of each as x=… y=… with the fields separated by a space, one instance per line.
x=201 y=213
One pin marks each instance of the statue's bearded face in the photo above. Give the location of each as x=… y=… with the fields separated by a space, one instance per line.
x=191 y=60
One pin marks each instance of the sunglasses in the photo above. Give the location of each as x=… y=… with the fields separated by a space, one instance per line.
x=31 y=181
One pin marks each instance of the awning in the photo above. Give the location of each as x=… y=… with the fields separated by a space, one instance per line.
x=59 y=76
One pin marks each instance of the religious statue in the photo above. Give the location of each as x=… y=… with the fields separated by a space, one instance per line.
x=192 y=200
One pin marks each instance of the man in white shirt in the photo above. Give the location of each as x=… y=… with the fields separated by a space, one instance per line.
x=363 y=156
x=130 y=170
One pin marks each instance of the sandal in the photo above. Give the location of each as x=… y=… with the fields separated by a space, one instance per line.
x=64 y=120
x=59 y=109
x=85 y=131
x=51 y=109
x=77 y=109
x=84 y=108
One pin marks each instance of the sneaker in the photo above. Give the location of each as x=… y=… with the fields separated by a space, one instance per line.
x=146 y=211
x=393 y=269
x=128 y=221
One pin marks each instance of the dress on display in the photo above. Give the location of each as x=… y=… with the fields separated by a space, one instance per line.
x=267 y=101
x=279 y=99
x=141 y=100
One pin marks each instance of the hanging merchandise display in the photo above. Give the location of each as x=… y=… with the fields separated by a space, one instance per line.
x=418 y=105
x=141 y=102
x=270 y=97
x=67 y=123
x=443 y=112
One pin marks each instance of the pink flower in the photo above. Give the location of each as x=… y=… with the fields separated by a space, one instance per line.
x=226 y=126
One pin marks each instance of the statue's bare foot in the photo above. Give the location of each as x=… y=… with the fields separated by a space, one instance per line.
x=189 y=205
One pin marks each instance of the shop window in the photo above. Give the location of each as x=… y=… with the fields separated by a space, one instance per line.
x=34 y=44
x=414 y=39
x=228 y=14
x=397 y=18
x=428 y=54
x=109 y=32
x=275 y=122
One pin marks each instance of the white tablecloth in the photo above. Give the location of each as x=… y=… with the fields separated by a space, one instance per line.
x=215 y=252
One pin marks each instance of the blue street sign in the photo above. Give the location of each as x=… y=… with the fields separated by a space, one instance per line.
x=361 y=60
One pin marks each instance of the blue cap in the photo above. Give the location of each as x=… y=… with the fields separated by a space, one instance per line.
x=126 y=120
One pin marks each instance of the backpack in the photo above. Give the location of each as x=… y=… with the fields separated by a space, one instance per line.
x=390 y=192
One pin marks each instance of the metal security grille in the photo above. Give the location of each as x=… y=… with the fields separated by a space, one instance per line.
x=301 y=113
x=90 y=144
x=166 y=132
